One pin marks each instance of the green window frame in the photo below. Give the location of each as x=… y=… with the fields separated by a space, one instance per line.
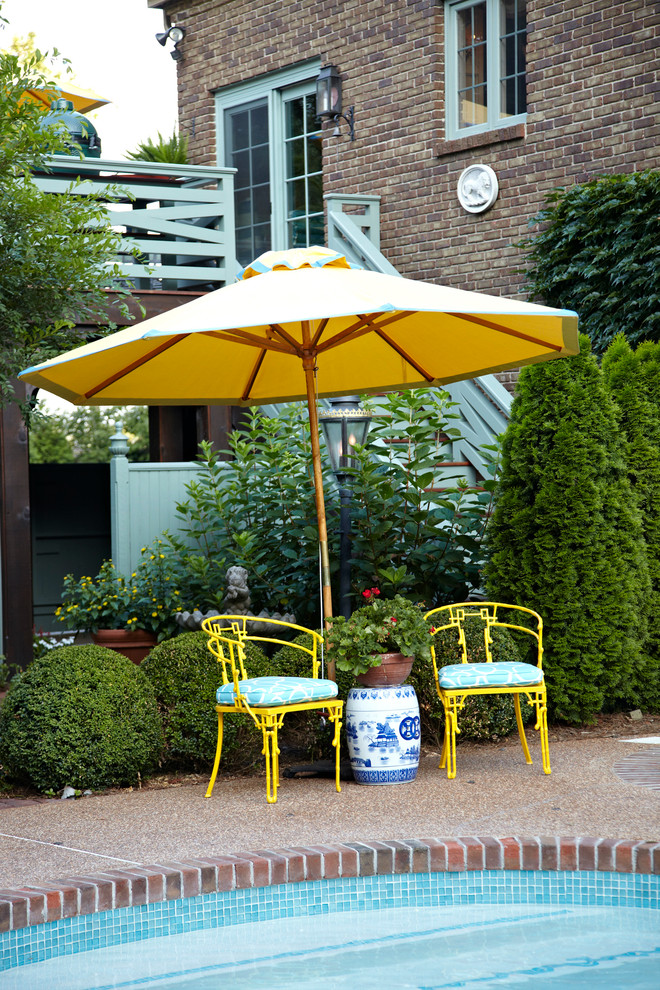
x=267 y=129
x=485 y=65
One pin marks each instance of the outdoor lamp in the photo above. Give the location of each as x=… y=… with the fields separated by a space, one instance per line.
x=328 y=99
x=344 y=424
x=176 y=34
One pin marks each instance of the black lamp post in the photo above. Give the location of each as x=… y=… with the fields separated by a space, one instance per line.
x=344 y=424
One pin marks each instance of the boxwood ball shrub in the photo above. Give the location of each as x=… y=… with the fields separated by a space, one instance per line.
x=481 y=718
x=82 y=716
x=186 y=676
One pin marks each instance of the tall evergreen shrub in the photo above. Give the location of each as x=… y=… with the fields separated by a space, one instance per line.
x=566 y=537
x=634 y=388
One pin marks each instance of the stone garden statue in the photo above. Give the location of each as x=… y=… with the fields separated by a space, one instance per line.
x=236 y=601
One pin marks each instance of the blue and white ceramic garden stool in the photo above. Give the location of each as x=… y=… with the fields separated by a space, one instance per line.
x=382 y=727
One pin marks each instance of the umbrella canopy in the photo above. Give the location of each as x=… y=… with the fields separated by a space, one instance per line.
x=301 y=324
x=245 y=344
x=83 y=100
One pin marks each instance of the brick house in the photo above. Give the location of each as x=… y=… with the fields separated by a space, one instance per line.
x=545 y=94
x=540 y=94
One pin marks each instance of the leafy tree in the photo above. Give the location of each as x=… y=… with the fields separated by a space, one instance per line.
x=566 y=537
x=25 y=48
x=597 y=251
x=640 y=420
x=258 y=510
x=172 y=150
x=411 y=532
x=56 y=251
x=83 y=435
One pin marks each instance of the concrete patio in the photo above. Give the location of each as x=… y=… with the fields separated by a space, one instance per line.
x=495 y=793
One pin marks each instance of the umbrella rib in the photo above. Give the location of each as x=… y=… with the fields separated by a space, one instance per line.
x=404 y=354
x=365 y=324
x=253 y=375
x=281 y=332
x=500 y=329
x=248 y=338
x=319 y=332
x=135 y=364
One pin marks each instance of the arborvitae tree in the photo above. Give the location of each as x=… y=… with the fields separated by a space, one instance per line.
x=640 y=419
x=649 y=372
x=566 y=537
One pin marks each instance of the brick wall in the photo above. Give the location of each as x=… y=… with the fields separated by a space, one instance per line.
x=591 y=109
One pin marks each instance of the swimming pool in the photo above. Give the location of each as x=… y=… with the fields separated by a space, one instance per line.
x=554 y=928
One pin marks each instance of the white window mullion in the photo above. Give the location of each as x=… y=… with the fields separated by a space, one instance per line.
x=493 y=59
x=278 y=170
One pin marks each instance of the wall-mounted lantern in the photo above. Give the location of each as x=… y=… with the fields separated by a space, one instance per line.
x=328 y=100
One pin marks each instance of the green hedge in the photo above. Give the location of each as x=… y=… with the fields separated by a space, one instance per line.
x=186 y=676
x=82 y=716
x=596 y=250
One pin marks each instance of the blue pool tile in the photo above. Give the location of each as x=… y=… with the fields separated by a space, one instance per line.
x=73 y=935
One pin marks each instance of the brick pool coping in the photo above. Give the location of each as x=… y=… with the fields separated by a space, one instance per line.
x=89 y=894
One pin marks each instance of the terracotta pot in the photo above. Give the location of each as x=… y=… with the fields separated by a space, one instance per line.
x=132 y=643
x=390 y=672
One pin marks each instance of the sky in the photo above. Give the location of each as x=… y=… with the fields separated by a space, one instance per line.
x=113 y=51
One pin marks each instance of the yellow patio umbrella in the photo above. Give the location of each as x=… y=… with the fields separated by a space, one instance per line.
x=83 y=100
x=301 y=324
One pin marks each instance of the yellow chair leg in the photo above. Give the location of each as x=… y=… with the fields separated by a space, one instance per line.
x=542 y=726
x=521 y=728
x=335 y=717
x=218 y=754
x=271 y=754
x=451 y=765
x=445 y=745
x=448 y=756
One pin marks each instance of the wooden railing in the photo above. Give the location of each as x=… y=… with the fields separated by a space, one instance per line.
x=179 y=217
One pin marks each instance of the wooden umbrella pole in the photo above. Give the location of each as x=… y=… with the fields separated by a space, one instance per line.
x=309 y=365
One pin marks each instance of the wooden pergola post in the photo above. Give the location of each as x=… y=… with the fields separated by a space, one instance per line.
x=15 y=534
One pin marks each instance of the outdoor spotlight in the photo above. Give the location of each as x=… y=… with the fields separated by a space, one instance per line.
x=328 y=99
x=175 y=34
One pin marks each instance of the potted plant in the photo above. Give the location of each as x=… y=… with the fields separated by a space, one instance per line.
x=379 y=641
x=129 y=614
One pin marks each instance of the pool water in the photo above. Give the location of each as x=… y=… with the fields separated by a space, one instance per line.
x=469 y=946
x=443 y=932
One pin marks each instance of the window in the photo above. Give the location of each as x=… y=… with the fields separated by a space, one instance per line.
x=485 y=65
x=268 y=132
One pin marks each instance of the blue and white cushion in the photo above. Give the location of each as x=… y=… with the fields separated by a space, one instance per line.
x=266 y=691
x=475 y=675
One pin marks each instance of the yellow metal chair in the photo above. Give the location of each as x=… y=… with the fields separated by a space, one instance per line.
x=267 y=699
x=456 y=682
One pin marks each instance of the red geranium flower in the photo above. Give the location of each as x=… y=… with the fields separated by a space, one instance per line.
x=366 y=593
